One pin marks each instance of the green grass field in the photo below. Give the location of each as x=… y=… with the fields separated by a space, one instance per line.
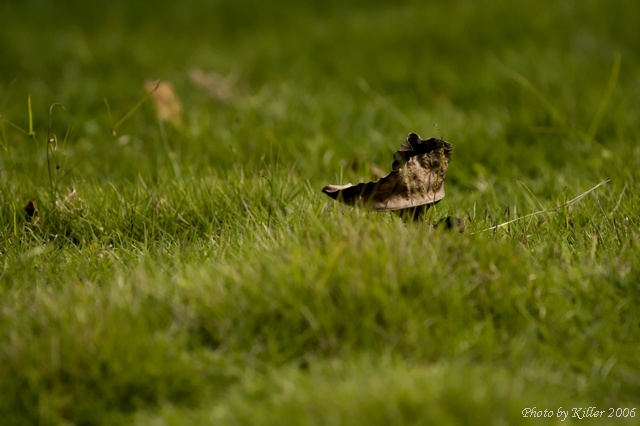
x=187 y=270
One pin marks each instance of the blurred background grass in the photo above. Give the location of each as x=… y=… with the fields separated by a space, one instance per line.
x=199 y=276
x=307 y=80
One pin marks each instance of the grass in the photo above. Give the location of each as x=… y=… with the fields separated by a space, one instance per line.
x=193 y=272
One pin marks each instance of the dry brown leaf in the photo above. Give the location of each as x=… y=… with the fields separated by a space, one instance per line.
x=71 y=202
x=30 y=209
x=417 y=179
x=71 y=196
x=215 y=85
x=167 y=103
